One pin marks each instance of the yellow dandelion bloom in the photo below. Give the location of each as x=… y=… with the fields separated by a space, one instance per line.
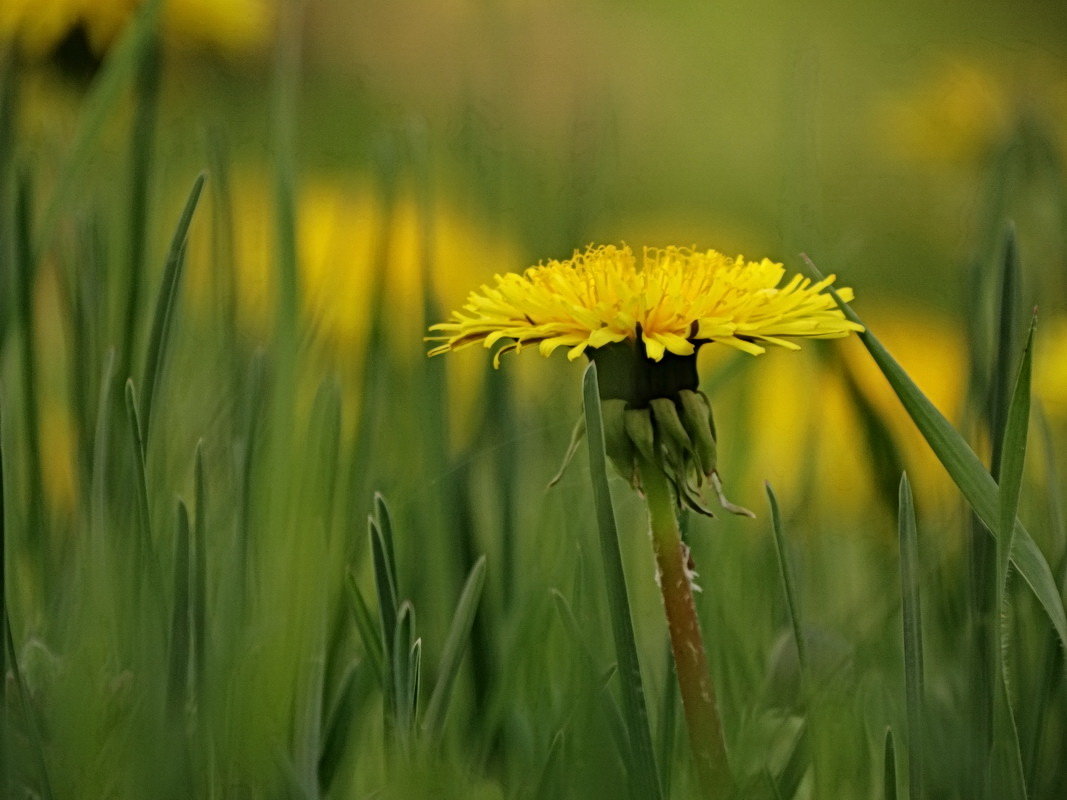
x=678 y=300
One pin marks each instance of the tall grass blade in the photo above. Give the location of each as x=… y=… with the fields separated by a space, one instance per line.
x=198 y=587
x=388 y=614
x=338 y=725
x=369 y=632
x=285 y=97
x=1006 y=340
x=452 y=653
x=125 y=60
x=889 y=774
x=914 y=689
x=384 y=522
x=165 y=302
x=141 y=134
x=967 y=472
x=144 y=540
x=547 y=784
x=786 y=574
x=612 y=713
x=1007 y=751
x=404 y=641
x=26 y=274
x=642 y=763
x=1052 y=659
x=180 y=638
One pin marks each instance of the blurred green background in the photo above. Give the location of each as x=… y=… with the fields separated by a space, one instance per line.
x=367 y=165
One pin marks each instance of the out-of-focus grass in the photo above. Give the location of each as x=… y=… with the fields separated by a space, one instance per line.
x=215 y=636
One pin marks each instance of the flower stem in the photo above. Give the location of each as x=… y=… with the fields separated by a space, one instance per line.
x=690 y=660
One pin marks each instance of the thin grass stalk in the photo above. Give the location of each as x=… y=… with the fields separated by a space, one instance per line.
x=142 y=133
x=1006 y=750
x=915 y=694
x=26 y=277
x=690 y=658
x=287 y=74
x=642 y=762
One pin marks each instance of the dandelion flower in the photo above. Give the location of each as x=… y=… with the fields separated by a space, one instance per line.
x=678 y=300
x=643 y=326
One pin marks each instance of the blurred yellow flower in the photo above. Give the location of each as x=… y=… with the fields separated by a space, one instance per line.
x=966 y=108
x=38 y=27
x=678 y=300
x=345 y=235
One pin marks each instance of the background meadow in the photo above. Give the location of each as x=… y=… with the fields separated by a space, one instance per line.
x=224 y=228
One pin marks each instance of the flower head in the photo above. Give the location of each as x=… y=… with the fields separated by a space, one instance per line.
x=678 y=300
x=642 y=328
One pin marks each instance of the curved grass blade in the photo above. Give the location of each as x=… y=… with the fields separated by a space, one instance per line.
x=168 y=292
x=143 y=545
x=642 y=763
x=180 y=639
x=384 y=521
x=452 y=653
x=787 y=579
x=889 y=775
x=338 y=725
x=913 y=641
x=966 y=470
x=369 y=632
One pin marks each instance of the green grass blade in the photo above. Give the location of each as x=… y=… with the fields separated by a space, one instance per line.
x=385 y=528
x=889 y=761
x=165 y=302
x=198 y=588
x=967 y=472
x=125 y=60
x=338 y=725
x=403 y=677
x=548 y=782
x=1013 y=456
x=26 y=274
x=180 y=639
x=452 y=653
x=642 y=763
x=285 y=96
x=786 y=575
x=386 y=591
x=369 y=631
x=143 y=540
x=141 y=134
x=1007 y=337
x=915 y=693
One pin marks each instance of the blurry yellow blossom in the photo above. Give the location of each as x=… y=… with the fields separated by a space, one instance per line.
x=38 y=27
x=58 y=444
x=966 y=108
x=345 y=236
